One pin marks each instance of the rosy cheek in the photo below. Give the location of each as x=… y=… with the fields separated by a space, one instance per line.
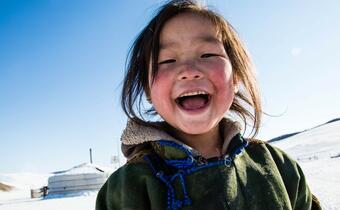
x=221 y=73
x=161 y=84
x=160 y=78
x=163 y=74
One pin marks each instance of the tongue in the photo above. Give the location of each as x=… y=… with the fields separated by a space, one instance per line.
x=195 y=102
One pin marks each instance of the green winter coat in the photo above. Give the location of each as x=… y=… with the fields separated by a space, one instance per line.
x=163 y=173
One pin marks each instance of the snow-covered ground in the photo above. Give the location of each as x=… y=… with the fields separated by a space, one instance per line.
x=20 y=197
x=22 y=182
x=84 y=201
x=317 y=151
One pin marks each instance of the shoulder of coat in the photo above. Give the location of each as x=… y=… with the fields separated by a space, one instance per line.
x=256 y=141
x=138 y=157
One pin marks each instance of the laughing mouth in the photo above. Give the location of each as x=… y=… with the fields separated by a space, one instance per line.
x=193 y=100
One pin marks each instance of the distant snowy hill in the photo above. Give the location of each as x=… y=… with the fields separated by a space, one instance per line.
x=318 y=152
x=293 y=134
x=23 y=180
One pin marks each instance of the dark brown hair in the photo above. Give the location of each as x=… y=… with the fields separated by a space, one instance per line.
x=144 y=54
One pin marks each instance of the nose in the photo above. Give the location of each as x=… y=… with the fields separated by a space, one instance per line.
x=189 y=72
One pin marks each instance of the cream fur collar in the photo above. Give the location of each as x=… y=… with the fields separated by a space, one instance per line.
x=135 y=135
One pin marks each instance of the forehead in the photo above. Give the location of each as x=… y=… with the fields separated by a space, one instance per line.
x=188 y=28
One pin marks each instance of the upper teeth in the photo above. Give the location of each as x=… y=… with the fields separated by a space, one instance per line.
x=193 y=93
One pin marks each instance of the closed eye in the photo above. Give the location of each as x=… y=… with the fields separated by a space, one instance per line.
x=167 y=61
x=207 y=55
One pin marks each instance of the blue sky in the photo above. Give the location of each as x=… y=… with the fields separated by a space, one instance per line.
x=62 y=63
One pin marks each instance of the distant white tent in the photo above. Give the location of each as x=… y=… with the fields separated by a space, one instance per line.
x=79 y=178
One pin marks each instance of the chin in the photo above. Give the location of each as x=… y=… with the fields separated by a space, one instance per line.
x=196 y=128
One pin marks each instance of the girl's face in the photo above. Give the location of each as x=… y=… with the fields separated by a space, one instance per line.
x=194 y=86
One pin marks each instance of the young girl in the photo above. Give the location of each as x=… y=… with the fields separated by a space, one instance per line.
x=194 y=71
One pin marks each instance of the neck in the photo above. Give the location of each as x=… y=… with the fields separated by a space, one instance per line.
x=207 y=144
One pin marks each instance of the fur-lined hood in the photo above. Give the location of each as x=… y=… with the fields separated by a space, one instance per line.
x=136 y=136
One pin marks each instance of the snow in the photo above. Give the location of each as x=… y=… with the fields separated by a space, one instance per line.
x=85 y=201
x=317 y=150
x=319 y=142
x=20 y=197
x=318 y=153
x=323 y=177
x=24 y=180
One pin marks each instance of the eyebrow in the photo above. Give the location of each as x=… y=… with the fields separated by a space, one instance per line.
x=203 y=38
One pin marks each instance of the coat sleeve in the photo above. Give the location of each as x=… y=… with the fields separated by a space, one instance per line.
x=295 y=181
x=124 y=190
